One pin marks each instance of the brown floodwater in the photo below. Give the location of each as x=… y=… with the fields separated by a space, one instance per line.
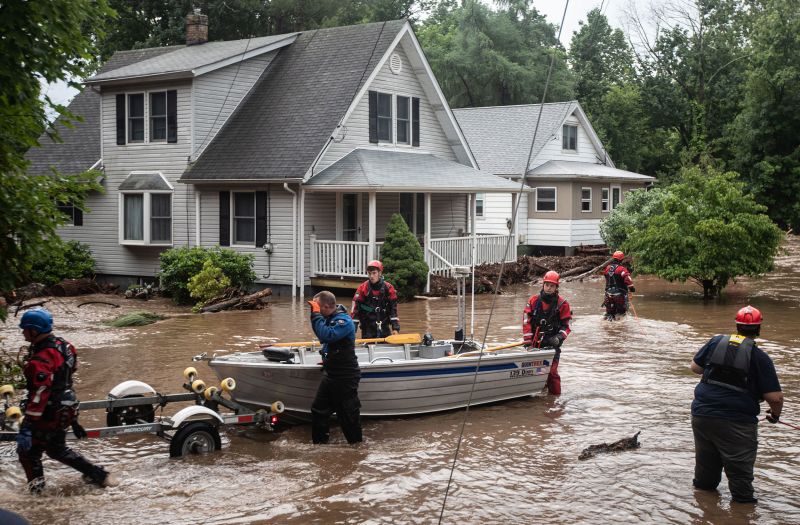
x=518 y=461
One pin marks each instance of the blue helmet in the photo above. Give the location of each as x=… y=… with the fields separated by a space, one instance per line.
x=37 y=319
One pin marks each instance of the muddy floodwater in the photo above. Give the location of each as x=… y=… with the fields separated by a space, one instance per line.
x=518 y=461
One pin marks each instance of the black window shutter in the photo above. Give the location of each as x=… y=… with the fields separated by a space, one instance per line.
x=373 y=116
x=121 y=120
x=261 y=218
x=415 y=121
x=172 y=116
x=77 y=217
x=224 y=218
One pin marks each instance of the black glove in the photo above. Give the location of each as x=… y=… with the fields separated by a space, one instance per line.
x=772 y=418
x=632 y=289
x=78 y=430
x=24 y=439
x=553 y=341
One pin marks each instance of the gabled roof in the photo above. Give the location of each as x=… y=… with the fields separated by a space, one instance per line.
x=280 y=128
x=192 y=61
x=562 y=169
x=80 y=148
x=398 y=171
x=500 y=136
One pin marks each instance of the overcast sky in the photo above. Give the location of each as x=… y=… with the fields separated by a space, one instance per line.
x=576 y=11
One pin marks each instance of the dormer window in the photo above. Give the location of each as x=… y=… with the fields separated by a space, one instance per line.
x=569 y=137
x=147 y=117
x=136 y=118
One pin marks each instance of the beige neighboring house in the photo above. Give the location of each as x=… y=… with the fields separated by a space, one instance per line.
x=575 y=183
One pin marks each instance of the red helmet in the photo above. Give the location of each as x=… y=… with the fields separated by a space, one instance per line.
x=551 y=277
x=748 y=315
x=618 y=255
x=375 y=264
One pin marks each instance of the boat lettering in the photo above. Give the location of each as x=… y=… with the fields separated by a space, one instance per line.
x=521 y=372
x=531 y=364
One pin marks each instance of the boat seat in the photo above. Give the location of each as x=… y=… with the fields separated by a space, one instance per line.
x=279 y=355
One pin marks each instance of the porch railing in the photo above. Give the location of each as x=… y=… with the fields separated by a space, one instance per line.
x=349 y=258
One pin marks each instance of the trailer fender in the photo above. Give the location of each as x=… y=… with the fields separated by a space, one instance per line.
x=132 y=388
x=194 y=413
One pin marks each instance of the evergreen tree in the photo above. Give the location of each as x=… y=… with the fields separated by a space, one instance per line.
x=402 y=258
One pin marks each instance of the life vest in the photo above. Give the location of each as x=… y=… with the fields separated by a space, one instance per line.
x=728 y=363
x=615 y=283
x=52 y=405
x=547 y=323
x=375 y=303
x=62 y=379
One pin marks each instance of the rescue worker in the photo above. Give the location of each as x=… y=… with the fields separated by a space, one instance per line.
x=618 y=284
x=51 y=405
x=545 y=323
x=375 y=305
x=737 y=376
x=338 y=390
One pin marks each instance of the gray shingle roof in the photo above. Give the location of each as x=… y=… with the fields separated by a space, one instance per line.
x=277 y=132
x=570 y=170
x=500 y=136
x=80 y=148
x=184 y=59
x=387 y=170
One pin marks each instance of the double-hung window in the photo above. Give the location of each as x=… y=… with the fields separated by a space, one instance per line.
x=145 y=216
x=158 y=116
x=545 y=199
x=384 y=117
x=73 y=213
x=569 y=137
x=244 y=218
x=394 y=119
x=479 y=201
x=604 y=200
x=147 y=117
x=136 y=118
x=586 y=199
x=403 y=120
x=616 y=196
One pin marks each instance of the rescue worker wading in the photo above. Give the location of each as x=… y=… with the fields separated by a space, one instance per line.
x=338 y=390
x=545 y=323
x=51 y=405
x=618 y=284
x=737 y=376
x=375 y=305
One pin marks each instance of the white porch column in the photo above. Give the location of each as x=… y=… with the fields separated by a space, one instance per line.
x=373 y=200
x=473 y=210
x=427 y=237
x=515 y=202
x=302 y=227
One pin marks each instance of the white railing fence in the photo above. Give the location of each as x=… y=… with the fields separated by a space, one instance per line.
x=341 y=258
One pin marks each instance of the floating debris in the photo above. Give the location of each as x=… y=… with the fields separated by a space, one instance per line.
x=617 y=446
x=135 y=319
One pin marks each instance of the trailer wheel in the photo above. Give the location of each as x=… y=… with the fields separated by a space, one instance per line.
x=130 y=415
x=197 y=437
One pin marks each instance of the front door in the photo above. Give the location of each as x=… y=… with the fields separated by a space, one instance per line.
x=350 y=217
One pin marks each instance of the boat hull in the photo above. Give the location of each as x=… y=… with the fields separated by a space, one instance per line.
x=392 y=386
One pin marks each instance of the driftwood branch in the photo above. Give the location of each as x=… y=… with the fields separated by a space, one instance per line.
x=30 y=305
x=98 y=302
x=593 y=270
x=246 y=302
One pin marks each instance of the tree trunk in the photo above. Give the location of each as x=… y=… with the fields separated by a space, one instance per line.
x=70 y=287
x=246 y=302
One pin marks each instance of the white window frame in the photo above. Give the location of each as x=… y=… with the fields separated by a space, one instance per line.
x=234 y=217
x=128 y=117
x=146 y=214
x=564 y=138
x=605 y=200
x=150 y=116
x=390 y=117
x=410 y=118
x=589 y=200
x=480 y=211
x=555 y=199
x=611 y=204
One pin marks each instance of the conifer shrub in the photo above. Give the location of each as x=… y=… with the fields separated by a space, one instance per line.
x=179 y=265
x=403 y=261
x=207 y=284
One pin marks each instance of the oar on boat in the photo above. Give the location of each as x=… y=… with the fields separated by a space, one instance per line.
x=473 y=353
x=394 y=339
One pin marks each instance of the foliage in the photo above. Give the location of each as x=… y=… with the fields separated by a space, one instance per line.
x=135 y=319
x=207 y=284
x=631 y=216
x=767 y=132
x=709 y=232
x=179 y=265
x=11 y=367
x=483 y=57
x=402 y=258
x=63 y=260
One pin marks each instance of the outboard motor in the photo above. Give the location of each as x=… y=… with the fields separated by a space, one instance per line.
x=427 y=339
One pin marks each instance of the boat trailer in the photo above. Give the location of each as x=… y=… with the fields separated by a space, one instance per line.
x=131 y=409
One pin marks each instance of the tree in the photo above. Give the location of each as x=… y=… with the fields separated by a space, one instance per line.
x=41 y=40
x=402 y=258
x=709 y=231
x=631 y=216
x=766 y=133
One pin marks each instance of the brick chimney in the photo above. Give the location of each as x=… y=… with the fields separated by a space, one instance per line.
x=196 y=28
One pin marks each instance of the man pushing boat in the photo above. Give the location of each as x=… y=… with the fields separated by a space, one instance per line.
x=338 y=390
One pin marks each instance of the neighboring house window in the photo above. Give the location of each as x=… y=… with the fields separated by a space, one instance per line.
x=569 y=137
x=145 y=209
x=604 y=200
x=158 y=116
x=403 y=120
x=616 y=196
x=384 y=117
x=136 y=118
x=545 y=199
x=479 y=200
x=244 y=218
x=73 y=213
x=586 y=199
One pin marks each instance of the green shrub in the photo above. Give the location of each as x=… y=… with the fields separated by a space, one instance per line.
x=62 y=260
x=135 y=319
x=178 y=265
x=207 y=284
x=402 y=258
